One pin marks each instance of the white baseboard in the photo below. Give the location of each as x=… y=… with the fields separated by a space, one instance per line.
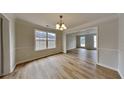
x=13 y=68
x=120 y=74
x=108 y=67
x=70 y=49
x=28 y=60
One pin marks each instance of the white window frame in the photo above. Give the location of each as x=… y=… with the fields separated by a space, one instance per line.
x=36 y=47
x=46 y=39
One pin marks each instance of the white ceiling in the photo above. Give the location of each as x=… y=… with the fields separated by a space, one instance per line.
x=70 y=19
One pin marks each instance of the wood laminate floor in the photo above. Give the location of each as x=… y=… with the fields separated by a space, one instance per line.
x=86 y=55
x=62 y=66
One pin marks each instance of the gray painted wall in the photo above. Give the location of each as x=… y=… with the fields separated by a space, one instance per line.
x=121 y=45
x=25 y=42
x=78 y=41
x=108 y=43
x=89 y=41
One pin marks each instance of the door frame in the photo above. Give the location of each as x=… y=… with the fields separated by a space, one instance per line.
x=85 y=29
x=97 y=46
x=1 y=46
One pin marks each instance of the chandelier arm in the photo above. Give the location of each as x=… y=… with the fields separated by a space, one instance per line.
x=60 y=25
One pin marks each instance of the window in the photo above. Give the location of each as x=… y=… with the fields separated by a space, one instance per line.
x=95 y=43
x=44 y=40
x=51 y=40
x=82 y=41
x=40 y=40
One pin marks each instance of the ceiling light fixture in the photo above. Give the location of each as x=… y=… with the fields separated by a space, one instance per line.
x=60 y=25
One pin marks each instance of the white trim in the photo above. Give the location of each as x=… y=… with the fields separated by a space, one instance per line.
x=122 y=77
x=25 y=61
x=13 y=68
x=70 y=49
x=108 y=67
x=83 y=29
x=9 y=16
x=97 y=46
x=78 y=28
x=108 y=49
x=64 y=42
x=120 y=74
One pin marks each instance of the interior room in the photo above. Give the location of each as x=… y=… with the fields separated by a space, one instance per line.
x=61 y=46
x=83 y=44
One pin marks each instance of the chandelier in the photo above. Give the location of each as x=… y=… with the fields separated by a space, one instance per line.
x=60 y=25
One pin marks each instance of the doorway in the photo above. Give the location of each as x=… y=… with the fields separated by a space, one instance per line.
x=84 y=44
x=88 y=47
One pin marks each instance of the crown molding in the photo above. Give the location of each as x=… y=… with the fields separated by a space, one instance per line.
x=9 y=16
x=90 y=24
x=83 y=29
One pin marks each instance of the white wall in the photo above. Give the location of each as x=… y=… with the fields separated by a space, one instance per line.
x=107 y=41
x=121 y=45
x=25 y=42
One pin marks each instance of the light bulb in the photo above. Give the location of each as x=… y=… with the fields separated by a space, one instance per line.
x=61 y=28
x=57 y=26
x=63 y=25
